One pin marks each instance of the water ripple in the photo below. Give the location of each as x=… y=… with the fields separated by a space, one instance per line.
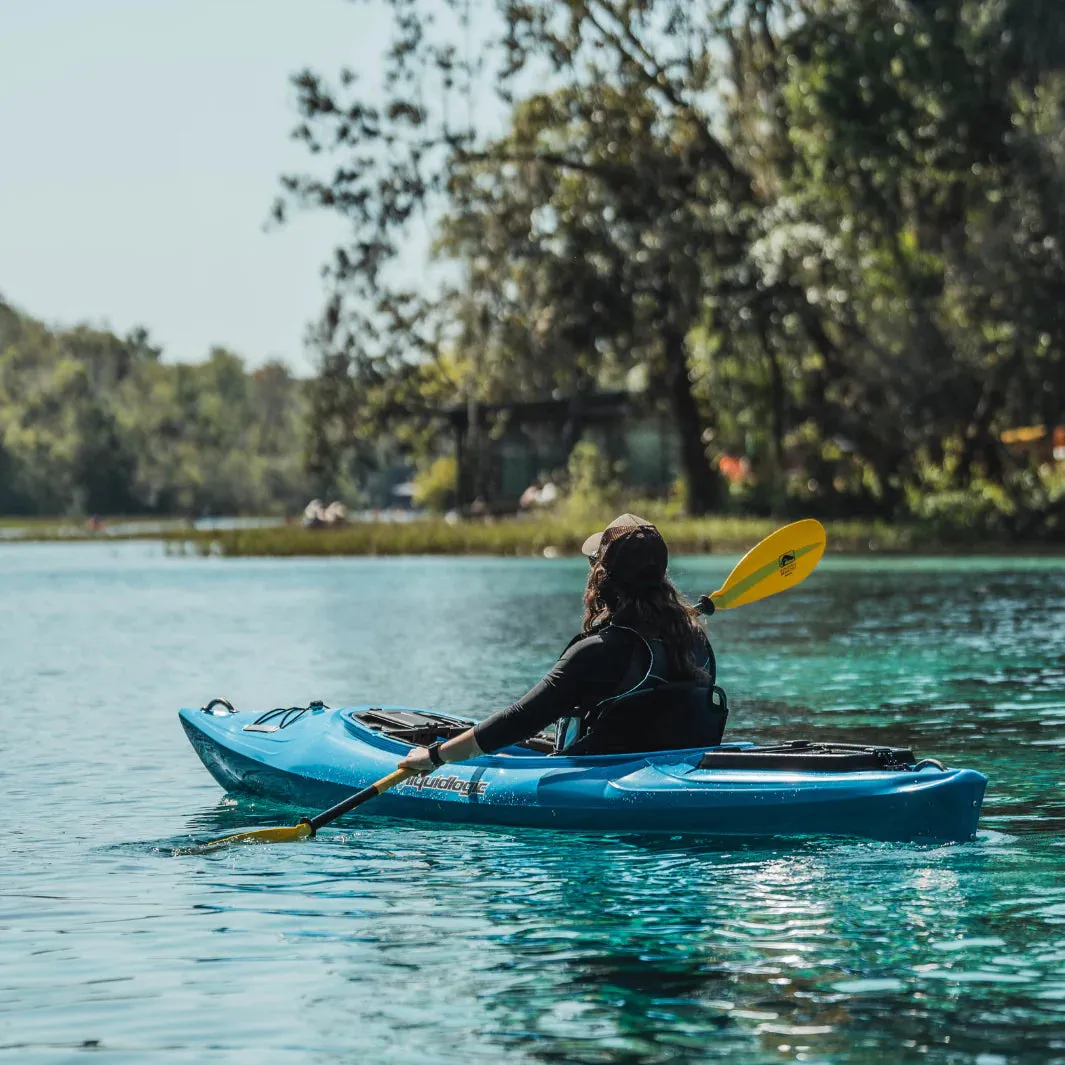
x=426 y=943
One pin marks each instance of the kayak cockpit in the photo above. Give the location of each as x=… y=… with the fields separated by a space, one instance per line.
x=420 y=728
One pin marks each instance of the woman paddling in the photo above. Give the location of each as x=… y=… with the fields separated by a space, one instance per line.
x=638 y=677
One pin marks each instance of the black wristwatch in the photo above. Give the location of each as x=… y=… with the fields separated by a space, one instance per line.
x=434 y=752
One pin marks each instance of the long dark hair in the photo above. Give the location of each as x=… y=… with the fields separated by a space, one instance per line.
x=656 y=611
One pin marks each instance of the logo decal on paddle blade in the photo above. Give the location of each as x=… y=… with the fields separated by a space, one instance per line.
x=786 y=563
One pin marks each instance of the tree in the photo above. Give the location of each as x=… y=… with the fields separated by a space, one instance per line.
x=402 y=158
x=91 y=422
x=840 y=220
x=928 y=147
x=582 y=271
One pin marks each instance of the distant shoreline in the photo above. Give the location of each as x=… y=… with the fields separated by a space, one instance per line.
x=550 y=537
x=67 y=530
x=509 y=537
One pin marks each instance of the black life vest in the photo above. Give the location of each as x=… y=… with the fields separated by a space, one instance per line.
x=650 y=712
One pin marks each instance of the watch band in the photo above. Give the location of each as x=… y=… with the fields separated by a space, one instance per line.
x=434 y=752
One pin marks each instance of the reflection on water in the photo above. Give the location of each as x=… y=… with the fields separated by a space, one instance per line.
x=435 y=943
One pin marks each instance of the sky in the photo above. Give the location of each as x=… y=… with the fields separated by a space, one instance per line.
x=141 y=143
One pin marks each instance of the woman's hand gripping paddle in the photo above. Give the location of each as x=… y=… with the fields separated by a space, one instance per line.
x=309 y=825
x=782 y=560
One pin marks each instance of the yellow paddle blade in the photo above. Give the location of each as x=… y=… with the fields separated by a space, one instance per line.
x=286 y=834
x=782 y=560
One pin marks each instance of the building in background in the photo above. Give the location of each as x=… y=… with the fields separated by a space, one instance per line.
x=503 y=448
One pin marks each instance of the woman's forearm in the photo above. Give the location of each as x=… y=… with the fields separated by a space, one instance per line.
x=460 y=747
x=457 y=749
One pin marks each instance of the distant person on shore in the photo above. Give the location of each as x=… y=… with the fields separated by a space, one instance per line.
x=316 y=515
x=530 y=498
x=335 y=514
x=638 y=677
x=549 y=494
x=541 y=493
x=312 y=515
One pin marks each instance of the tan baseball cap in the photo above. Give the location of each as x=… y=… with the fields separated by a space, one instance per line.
x=630 y=548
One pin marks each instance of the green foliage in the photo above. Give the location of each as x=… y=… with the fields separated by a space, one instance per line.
x=593 y=485
x=924 y=149
x=95 y=423
x=434 y=484
x=829 y=234
x=1027 y=506
x=825 y=235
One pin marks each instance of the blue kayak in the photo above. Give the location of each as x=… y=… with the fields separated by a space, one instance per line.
x=315 y=756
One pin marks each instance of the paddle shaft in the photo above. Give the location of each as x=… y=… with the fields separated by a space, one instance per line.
x=371 y=792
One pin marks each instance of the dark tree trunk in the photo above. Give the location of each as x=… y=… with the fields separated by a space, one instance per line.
x=777 y=401
x=463 y=496
x=778 y=416
x=705 y=492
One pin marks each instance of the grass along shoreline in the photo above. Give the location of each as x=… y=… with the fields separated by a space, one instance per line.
x=556 y=537
x=514 y=537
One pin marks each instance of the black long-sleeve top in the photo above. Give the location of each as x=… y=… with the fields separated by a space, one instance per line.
x=590 y=670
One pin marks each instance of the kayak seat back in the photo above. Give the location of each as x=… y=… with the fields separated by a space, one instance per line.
x=420 y=728
x=671 y=717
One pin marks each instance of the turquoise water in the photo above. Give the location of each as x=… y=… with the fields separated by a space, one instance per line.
x=391 y=942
